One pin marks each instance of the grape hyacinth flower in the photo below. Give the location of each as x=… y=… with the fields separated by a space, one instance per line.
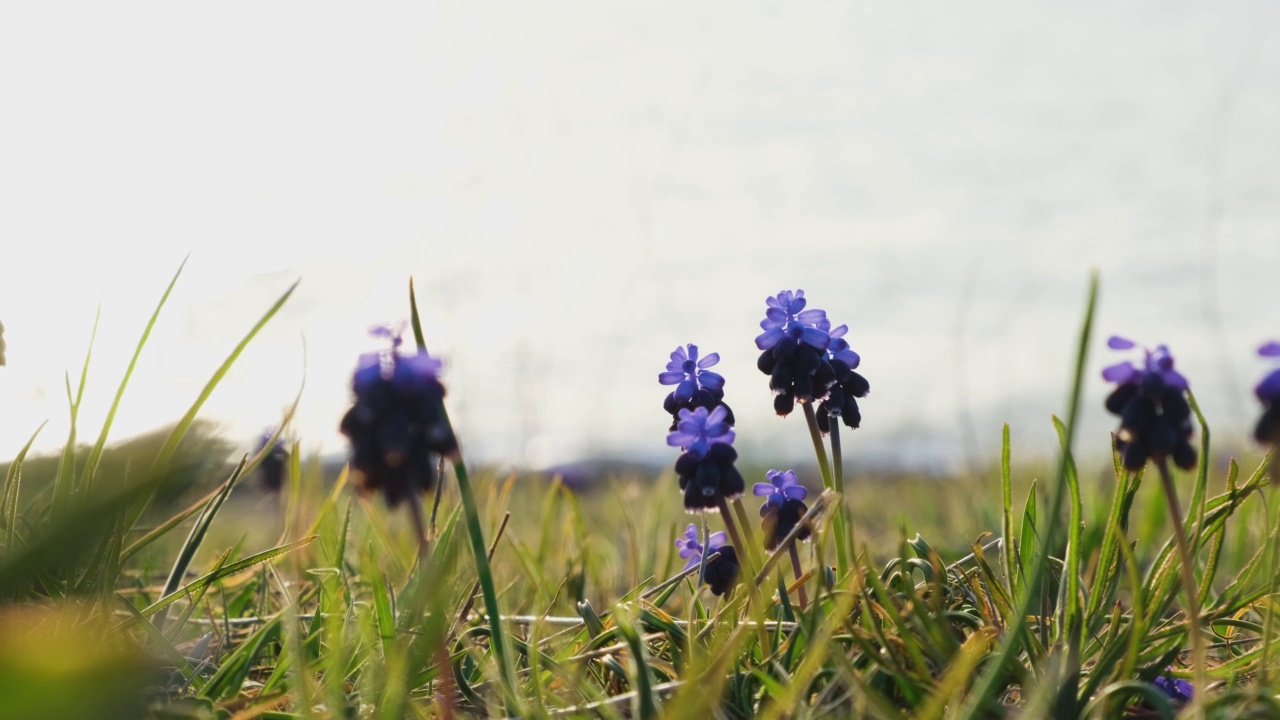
x=783 y=507
x=691 y=549
x=1268 y=392
x=842 y=398
x=1179 y=691
x=271 y=469
x=794 y=347
x=1155 y=418
x=397 y=424
x=705 y=468
x=696 y=386
x=722 y=571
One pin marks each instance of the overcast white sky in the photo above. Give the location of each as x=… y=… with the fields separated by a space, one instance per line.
x=580 y=187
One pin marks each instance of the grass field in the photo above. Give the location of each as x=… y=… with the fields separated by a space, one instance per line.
x=155 y=579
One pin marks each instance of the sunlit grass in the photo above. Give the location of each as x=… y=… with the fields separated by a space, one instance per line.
x=155 y=578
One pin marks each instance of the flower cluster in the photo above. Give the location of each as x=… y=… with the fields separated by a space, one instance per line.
x=696 y=386
x=691 y=549
x=721 y=572
x=807 y=360
x=783 y=507
x=1268 y=391
x=842 y=396
x=397 y=424
x=1155 y=418
x=271 y=469
x=706 y=467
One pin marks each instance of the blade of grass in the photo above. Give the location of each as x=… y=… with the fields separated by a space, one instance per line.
x=233 y=568
x=95 y=455
x=12 y=483
x=988 y=688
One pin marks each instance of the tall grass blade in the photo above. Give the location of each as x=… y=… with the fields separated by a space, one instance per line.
x=95 y=455
x=988 y=686
x=12 y=484
x=62 y=487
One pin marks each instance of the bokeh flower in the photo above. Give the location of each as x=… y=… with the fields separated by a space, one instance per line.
x=397 y=425
x=696 y=386
x=794 y=348
x=1155 y=418
x=271 y=469
x=842 y=397
x=1268 y=392
x=691 y=549
x=1179 y=691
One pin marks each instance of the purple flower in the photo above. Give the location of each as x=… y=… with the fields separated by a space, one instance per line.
x=271 y=469
x=697 y=430
x=782 y=486
x=786 y=317
x=691 y=550
x=1158 y=361
x=850 y=386
x=688 y=373
x=1179 y=691
x=794 y=349
x=1268 y=392
x=1155 y=417
x=397 y=424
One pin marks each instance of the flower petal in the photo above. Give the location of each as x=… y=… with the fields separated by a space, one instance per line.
x=797 y=304
x=838 y=332
x=685 y=390
x=1120 y=372
x=680 y=439
x=725 y=438
x=670 y=377
x=1269 y=389
x=678 y=356
x=769 y=338
x=796 y=492
x=717 y=415
x=812 y=317
x=761 y=489
x=709 y=360
x=711 y=380
x=717 y=539
x=1271 y=349
x=814 y=338
x=1115 y=342
x=1174 y=379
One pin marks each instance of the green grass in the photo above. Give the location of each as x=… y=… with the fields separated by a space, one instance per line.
x=153 y=578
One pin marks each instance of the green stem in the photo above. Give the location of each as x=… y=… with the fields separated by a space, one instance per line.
x=828 y=481
x=1189 y=588
x=795 y=568
x=837 y=471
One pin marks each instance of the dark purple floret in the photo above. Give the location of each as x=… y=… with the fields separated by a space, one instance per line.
x=850 y=386
x=1155 y=418
x=722 y=570
x=707 y=480
x=271 y=469
x=777 y=522
x=794 y=351
x=696 y=387
x=691 y=548
x=1268 y=392
x=397 y=425
x=1179 y=691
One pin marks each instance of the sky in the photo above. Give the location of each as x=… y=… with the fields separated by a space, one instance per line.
x=577 y=188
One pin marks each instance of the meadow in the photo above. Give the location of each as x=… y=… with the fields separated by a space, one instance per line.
x=153 y=578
